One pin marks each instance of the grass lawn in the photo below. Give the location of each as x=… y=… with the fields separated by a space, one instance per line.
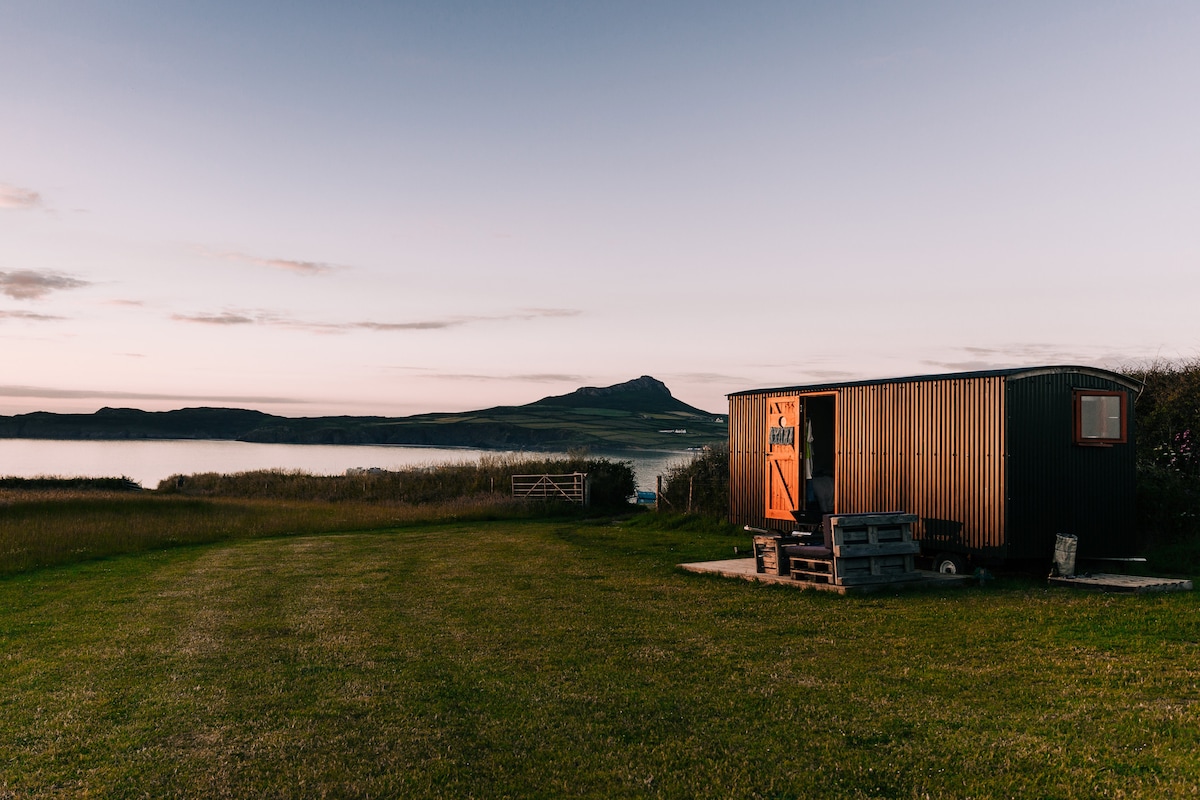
x=552 y=659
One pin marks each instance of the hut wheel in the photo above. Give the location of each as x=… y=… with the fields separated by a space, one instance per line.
x=950 y=564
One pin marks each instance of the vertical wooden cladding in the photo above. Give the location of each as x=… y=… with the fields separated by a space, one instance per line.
x=933 y=448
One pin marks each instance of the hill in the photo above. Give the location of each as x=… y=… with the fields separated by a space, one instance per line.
x=644 y=395
x=637 y=414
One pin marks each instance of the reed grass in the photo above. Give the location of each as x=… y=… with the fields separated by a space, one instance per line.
x=48 y=521
x=40 y=528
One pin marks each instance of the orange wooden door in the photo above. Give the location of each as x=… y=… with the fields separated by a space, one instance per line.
x=785 y=451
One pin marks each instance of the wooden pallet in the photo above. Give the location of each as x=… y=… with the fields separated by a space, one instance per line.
x=873 y=548
x=812 y=570
x=864 y=549
x=875 y=569
x=768 y=553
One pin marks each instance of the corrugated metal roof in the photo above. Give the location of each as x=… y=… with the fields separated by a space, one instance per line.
x=1015 y=373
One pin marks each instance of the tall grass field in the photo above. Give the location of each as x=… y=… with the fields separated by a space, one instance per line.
x=48 y=521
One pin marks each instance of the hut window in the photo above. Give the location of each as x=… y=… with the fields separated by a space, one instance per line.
x=1100 y=417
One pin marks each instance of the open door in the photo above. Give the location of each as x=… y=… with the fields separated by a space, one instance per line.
x=785 y=452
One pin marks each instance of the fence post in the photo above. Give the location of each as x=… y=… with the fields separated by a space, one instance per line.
x=690 y=479
x=658 y=495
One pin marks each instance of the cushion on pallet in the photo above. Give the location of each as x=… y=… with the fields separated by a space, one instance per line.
x=807 y=551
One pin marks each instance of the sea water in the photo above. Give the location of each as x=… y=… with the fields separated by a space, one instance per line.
x=149 y=461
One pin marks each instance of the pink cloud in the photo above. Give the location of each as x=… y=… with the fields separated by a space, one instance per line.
x=18 y=198
x=225 y=318
x=299 y=267
x=232 y=317
x=29 y=315
x=27 y=284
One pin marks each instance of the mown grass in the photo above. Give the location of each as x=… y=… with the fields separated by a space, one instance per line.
x=572 y=658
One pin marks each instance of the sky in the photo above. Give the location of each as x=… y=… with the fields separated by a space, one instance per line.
x=401 y=207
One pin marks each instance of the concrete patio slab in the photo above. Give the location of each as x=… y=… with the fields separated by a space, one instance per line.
x=1124 y=584
x=744 y=568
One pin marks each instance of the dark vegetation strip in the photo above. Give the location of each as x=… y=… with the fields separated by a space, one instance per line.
x=612 y=482
x=69 y=484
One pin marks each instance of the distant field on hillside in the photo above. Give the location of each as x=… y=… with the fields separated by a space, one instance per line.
x=571 y=658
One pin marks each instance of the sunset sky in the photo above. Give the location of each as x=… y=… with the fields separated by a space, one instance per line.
x=397 y=207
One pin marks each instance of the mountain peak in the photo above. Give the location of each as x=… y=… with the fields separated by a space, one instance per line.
x=640 y=395
x=642 y=384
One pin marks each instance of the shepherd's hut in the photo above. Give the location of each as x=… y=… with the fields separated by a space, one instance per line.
x=994 y=464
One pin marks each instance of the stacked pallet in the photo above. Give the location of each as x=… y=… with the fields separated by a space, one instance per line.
x=769 y=553
x=863 y=549
x=812 y=569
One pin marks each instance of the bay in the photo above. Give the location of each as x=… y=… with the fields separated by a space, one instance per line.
x=150 y=461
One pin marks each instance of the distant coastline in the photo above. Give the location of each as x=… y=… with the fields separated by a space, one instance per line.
x=637 y=415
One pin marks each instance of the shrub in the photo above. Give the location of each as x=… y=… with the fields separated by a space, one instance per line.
x=1168 y=465
x=1168 y=504
x=1168 y=415
x=700 y=486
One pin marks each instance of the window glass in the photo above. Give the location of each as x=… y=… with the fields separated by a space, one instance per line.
x=1100 y=417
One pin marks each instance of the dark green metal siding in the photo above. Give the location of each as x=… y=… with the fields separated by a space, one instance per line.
x=1056 y=486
